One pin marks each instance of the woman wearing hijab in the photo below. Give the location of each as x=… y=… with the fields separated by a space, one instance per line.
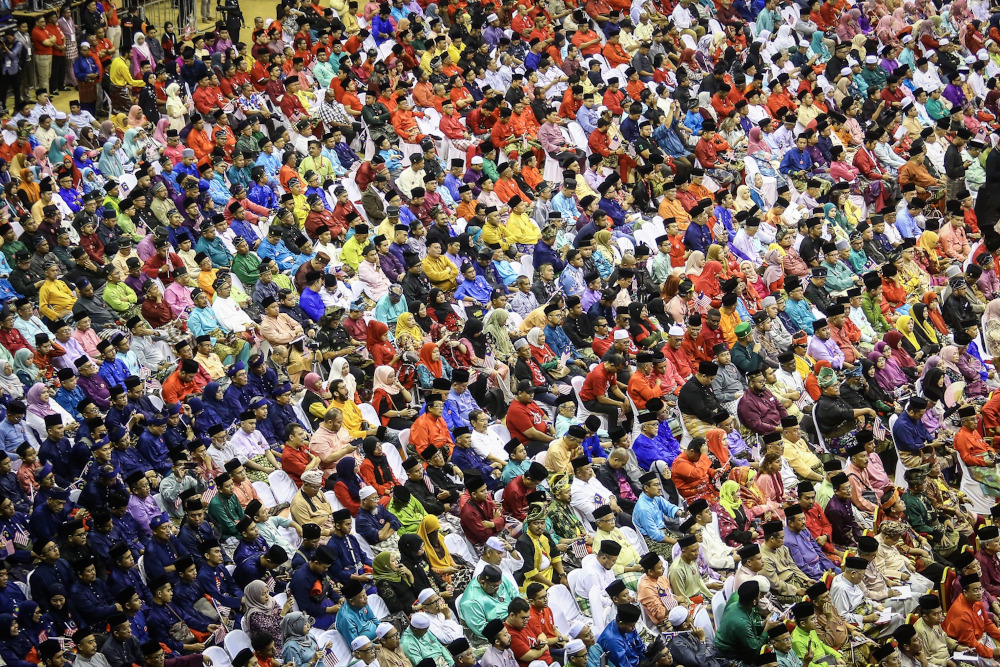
x=28 y=191
x=442 y=562
x=431 y=366
x=391 y=400
x=347 y=488
x=297 y=646
x=774 y=274
x=375 y=470
x=497 y=337
x=735 y=527
x=217 y=410
x=406 y=326
x=24 y=367
x=754 y=502
x=10 y=385
x=394 y=583
x=924 y=331
x=707 y=282
x=317 y=398
x=976 y=388
x=340 y=369
x=262 y=612
x=382 y=352
x=175 y=107
x=59 y=620
x=109 y=164
x=413 y=556
x=544 y=356
x=891 y=344
x=38 y=399
x=907 y=339
x=13 y=647
x=887 y=373
x=440 y=309
x=140 y=54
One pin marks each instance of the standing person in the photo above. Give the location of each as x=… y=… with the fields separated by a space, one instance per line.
x=68 y=28
x=13 y=52
x=42 y=43
x=23 y=37
x=56 y=81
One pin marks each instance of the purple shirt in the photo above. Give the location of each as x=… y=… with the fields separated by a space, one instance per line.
x=96 y=389
x=807 y=553
x=73 y=352
x=828 y=350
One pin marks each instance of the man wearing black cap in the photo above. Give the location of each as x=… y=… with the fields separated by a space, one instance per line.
x=910 y=435
x=310 y=585
x=839 y=512
x=936 y=645
x=968 y=620
x=742 y=631
x=620 y=638
x=697 y=401
x=788 y=582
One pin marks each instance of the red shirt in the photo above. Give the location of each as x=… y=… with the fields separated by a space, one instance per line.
x=38 y=35
x=597 y=383
x=524 y=640
x=294 y=462
x=515 y=498
x=521 y=417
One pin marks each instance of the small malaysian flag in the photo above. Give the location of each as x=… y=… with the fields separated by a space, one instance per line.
x=580 y=549
x=66 y=644
x=219 y=635
x=208 y=495
x=21 y=537
x=271 y=583
x=329 y=659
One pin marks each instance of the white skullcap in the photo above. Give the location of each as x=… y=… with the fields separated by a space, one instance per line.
x=804 y=44
x=907 y=39
x=360 y=642
x=574 y=646
x=538 y=663
x=491 y=18
x=61 y=115
x=970 y=59
x=383 y=629
x=367 y=491
x=426 y=595
x=768 y=302
x=844 y=71
x=312 y=477
x=675 y=330
x=621 y=334
x=765 y=585
x=930 y=52
x=496 y=544
x=575 y=629
x=853 y=63
x=477 y=159
x=944 y=41
x=871 y=60
x=677 y=616
x=420 y=621
x=83 y=44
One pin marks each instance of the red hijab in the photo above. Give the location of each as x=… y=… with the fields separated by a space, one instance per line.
x=435 y=367
x=374 y=340
x=707 y=281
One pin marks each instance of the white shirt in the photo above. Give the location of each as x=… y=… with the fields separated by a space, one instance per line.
x=230 y=315
x=717 y=552
x=488 y=444
x=588 y=496
x=409 y=179
x=221 y=456
x=445 y=629
x=249 y=444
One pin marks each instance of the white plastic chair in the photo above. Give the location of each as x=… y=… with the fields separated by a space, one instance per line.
x=514 y=321
x=282 y=486
x=625 y=246
x=565 y=610
x=581 y=410
x=527 y=267
x=331 y=498
x=404 y=440
x=236 y=641
x=369 y=414
x=340 y=647
x=156 y=401
x=718 y=606
x=218 y=656
x=395 y=462
x=378 y=606
x=267 y=498
x=363 y=543
x=729 y=585
x=280 y=599
x=978 y=501
x=552 y=173
x=141 y=566
x=501 y=432
x=635 y=540
x=74 y=495
x=460 y=546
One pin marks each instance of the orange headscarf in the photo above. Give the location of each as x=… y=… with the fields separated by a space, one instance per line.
x=435 y=367
x=716 y=439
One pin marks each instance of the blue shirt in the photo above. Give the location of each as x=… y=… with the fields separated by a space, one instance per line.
x=462 y=404
x=159 y=555
x=349 y=558
x=11 y=436
x=664 y=447
x=68 y=400
x=795 y=160
x=368 y=524
x=808 y=554
x=623 y=649
x=556 y=338
x=697 y=237
x=801 y=314
x=647 y=516
x=910 y=436
x=312 y=304
x=352 y=623
x=907 y=226
x=545 y=254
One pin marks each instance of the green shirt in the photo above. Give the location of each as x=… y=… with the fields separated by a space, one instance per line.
x=246 y=268
x=741 y=632
x=477 y=608
x=350 y=254
x=800 y=644
x=872 y=309
x=409 y=516
x=417 y=648
x=119 y=296
x=225 y=512
x=823 y=493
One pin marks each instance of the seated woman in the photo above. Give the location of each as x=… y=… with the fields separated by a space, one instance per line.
x=375 y=470
x=431 y=366
x=391 y=400
x=735 y=524
x=769 y=484
x=452 y=571
x=394 y=583
x=972 y=369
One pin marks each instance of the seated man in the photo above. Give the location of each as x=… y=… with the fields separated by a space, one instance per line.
x=742 y=632
x=851 y=601
x=882 y=585
x=968 y=621
x=651 y=513
x=805 y=550
x=419 y=644
x=788 y=582
x=525 y=642
x=486 y=598
x=355 y=618
x=374 y=522
x=938 y=647
x=309 y=587
x=620 y=639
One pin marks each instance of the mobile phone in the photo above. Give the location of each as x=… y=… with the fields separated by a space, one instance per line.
x=774 y=617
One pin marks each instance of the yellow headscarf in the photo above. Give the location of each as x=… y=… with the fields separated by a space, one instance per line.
x=729 y=497
x=406 y=325
x=908 y=336
x=428 y=525
x=928 y=241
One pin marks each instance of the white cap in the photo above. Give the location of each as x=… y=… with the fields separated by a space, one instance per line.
x=477 y=159
x=853 y=63
x=970 y=59
x=768 y=302
x=675 y=330
x=426 y=595
x=601 y=109
x=491 y=18
x=983 y=55
x=421 y=621
x=382 y=630
x=907 y=39
x=764 y=584
x=574 y=646
x=845 y=71
x=496 y=544
x=85 y=43
x=804 y=44
x=575 y=629
x=367 y=491
x=621 y=334
x=943 y=41
x=871 y=60
x=360 y=642
x=929 y=53
x=677 y=616
x=538 y=663
x=61 y=115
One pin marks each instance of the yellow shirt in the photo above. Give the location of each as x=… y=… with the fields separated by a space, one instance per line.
x=441 y=271
x=496 y=234
x=212 y=364
x=55 y=299
x=522 y=229
x=728 y=325
x=121 y=74
x=352 y=418
x=350 y=254
x=800 y=458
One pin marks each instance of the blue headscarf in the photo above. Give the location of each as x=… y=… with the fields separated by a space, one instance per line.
x=109 y=164
x=219 y=412
x=81 y=160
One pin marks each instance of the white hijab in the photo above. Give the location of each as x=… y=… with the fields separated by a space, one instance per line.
x=337 y=373
x=143 y=49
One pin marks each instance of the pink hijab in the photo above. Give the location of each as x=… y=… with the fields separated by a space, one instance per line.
x=756 y=143
x=35 y=404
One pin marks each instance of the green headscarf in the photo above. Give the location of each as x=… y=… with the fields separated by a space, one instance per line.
x=826 y=377
x=382 y=569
